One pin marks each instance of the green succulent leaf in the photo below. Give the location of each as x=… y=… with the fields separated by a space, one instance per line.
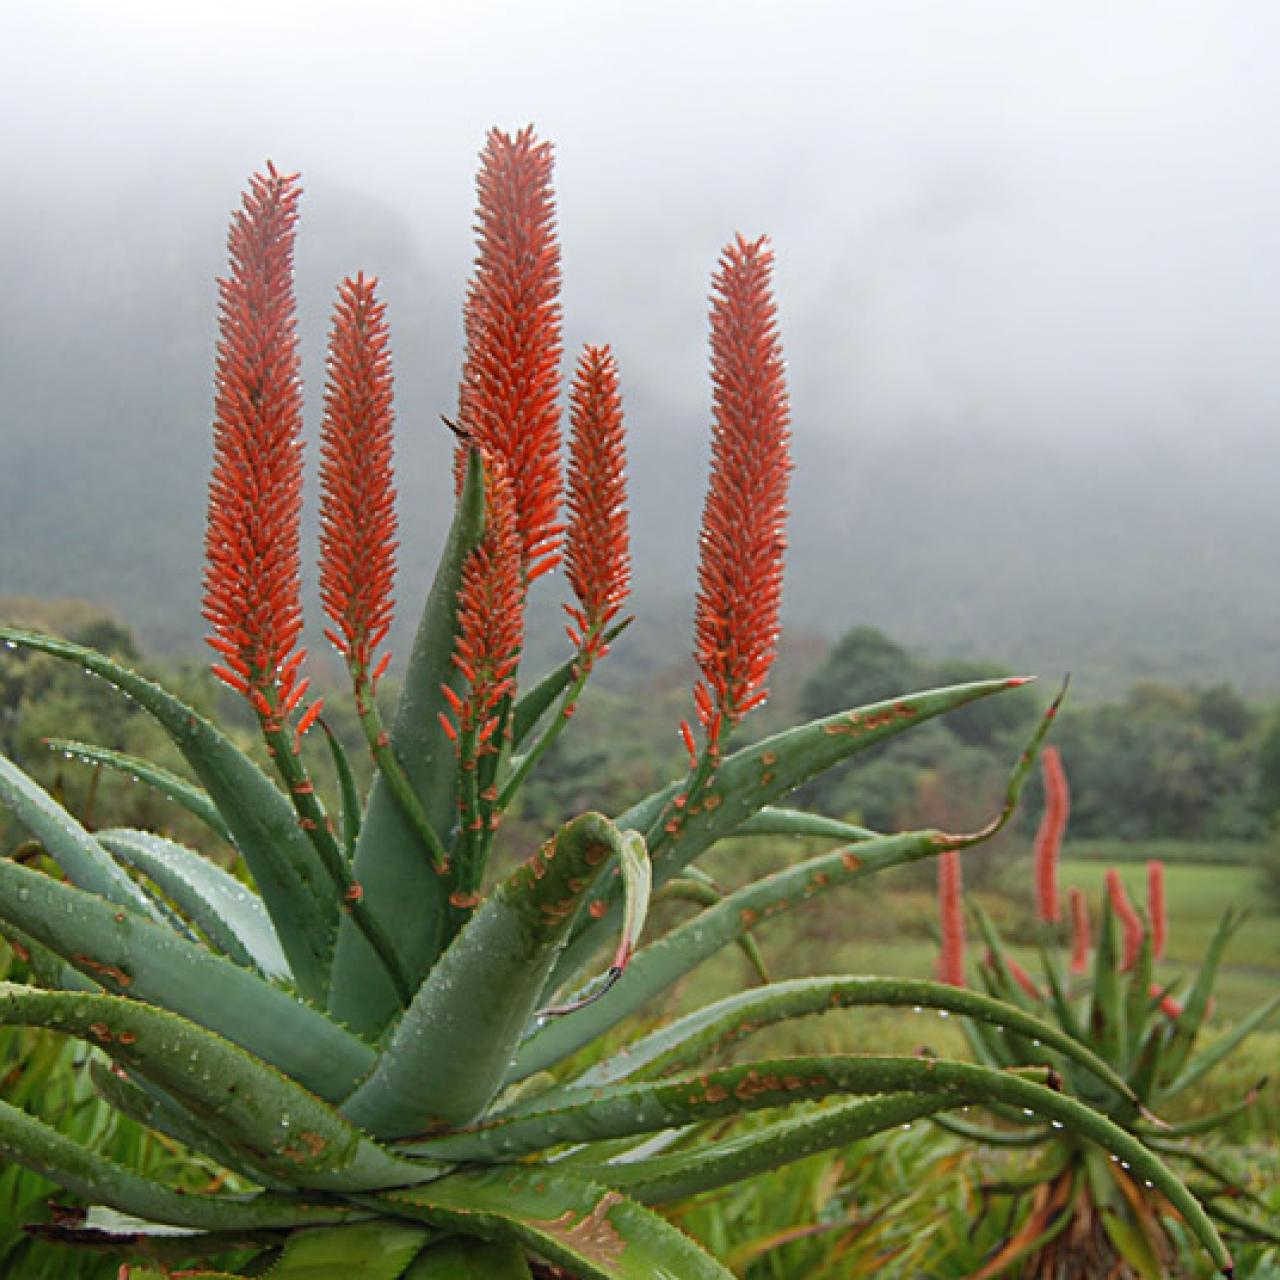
x=694 y=886
x=193 y=799
x=142 y=1102
x=1221 y=1048
x=34 y=1145
x=661 y=963
x=380 y=1250
x=935 y=1085
x=277 y=1123
x=709 y=1030
x=620 y=1110
x=85 y=862
x=663 y=1178
x=772 y=821
x=231 y=916
x=402 y=890
x=352 y=806
x=995 y=1137
x=589 y=1229
x=1196 y=1006
x=1106 y=1021
x=445 y=1060
x=466 y=1258
x=124 y=952
x=757 y=776
x=295 y=888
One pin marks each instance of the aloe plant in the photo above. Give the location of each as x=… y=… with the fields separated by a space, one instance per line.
x=1092 y=1211
x=376 y=1039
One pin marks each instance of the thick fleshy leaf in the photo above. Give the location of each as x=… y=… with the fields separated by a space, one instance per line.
x=1196 y=1006
x=592 y=1231
x=756 y=777
x=402 y=890
x=126 y=953
x=192 y=798
x=379 y=1250
x=709 y=1030
x=697 y=887
x=352 y=806
x=281 y=1126
x=620 y=1110
x=1221 y=1048
x=231 y=916
x=295 y=888
x=772 y=821
x=466 y=1258
x=662 y=1178
x=935 y=1085
x=142 y=1102
x=661 y=963
x=83 y=860
x=446 y=1058
x=34 y=1145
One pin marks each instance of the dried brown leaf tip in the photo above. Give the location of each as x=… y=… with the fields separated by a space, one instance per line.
x=358 y=498
x=252 y=577
x=509 y=397
x=743 y=537
x=596 y=545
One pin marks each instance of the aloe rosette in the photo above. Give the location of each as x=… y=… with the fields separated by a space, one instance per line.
x=378 y=1043
x=1090 y=1210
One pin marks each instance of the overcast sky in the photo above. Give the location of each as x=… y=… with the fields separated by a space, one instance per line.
x=1045 y=226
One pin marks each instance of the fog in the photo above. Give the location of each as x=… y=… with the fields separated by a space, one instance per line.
x=1027 y=274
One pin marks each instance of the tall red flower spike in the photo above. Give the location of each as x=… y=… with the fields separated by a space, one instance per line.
x=490 y=618
x=1048 y=841
x=1023 y=978
x=596 y=551
x=509 y=398
x=357 y=510
x=252 y=596
x=744 y=518
x=1155 y=907
x=1128 y=917
x=1080 y=931
x=951 y=917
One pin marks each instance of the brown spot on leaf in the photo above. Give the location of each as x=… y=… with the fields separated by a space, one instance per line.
x=748 y=917
x=595 y=854
x=464 y=901
x=598 y=910
x=850 y=861
x=593 y=1235
x=100 y=1031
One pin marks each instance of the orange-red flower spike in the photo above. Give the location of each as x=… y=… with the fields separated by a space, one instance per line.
x=1128 y=917
x=1048 y=841
x=490 y=615
x=1080 y=931
x=251 y=588
x=1156 y=908
x=736 y=623
x=596 y=544
x=951 y=916
x=509 y=398
x=357 y=492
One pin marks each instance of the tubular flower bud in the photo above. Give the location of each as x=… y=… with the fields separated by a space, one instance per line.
x=1048 y=841
x=744 y=517
x=509 y=397
x=252 y=595
x=358 y=515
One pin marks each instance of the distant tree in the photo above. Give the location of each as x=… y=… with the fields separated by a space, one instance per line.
x=865 y=666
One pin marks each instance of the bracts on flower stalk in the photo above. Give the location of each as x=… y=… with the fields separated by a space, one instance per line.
x=376 y=1042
